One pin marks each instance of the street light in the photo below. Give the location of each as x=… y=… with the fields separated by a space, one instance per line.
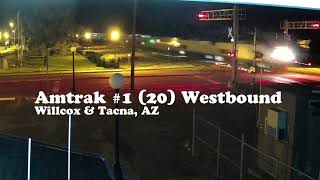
x=87 y=36
x=6 y=35
x=116 y=82
x=114 y=35
x=73 y=50
x=11 y=24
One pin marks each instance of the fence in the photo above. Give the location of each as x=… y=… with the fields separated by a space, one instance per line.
x=234 y=158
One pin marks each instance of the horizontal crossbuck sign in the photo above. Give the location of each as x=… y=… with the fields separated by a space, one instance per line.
x=309 y=4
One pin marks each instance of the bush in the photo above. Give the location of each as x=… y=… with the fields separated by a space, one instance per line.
x=109 y=61
x=93 y=56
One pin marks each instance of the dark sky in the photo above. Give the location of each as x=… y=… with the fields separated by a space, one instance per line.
x=161 y=17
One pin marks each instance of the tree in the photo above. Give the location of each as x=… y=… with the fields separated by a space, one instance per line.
x=49 y=22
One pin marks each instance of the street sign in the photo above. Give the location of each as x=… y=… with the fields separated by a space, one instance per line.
x=310 y=4
x=230 y=32
x=252 y=69
x=73 y=49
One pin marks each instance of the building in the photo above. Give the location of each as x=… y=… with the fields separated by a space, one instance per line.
x=291 y=132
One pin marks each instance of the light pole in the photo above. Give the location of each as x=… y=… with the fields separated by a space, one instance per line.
x=11 y=24
x=6 y=37
x=14 y=37
x=73 y=50
x=114 y=37
x=133 y=50
x=233 y=83
x=116 y=82
x=87 y=36
x=254 y=56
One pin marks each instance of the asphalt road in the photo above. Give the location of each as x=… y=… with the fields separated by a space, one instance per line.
x=208 y=79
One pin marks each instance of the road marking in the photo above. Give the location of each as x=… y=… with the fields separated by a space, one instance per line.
x=32 y=80
x=209 y=80
x=8 y=99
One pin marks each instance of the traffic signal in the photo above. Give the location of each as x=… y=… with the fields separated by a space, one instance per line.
x=231 y=54
x=316 y=25
x=203 y=16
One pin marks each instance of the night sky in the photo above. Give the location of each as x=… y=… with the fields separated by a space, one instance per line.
x=161 y=17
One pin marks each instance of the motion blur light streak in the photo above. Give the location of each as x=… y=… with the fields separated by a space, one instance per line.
x=283 y=54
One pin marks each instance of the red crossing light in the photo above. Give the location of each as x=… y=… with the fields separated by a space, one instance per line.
x=203 y=16
x=316 y=25
x=231 y=54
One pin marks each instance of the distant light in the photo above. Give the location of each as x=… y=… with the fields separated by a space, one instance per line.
x=142 y=43
x=283 y=54
x=158 y=40
x=203 y=16
x=87 y=35
x=207 y=56
x=6 y=35
x=232 y=40
x=219 y=58
x=316 y=25
x=182 y=52
x=174 y=42
x=152 y=41
x=115 y=35
x=168 y=48
x=77 y=35
x=127 y=41
x=11 y=24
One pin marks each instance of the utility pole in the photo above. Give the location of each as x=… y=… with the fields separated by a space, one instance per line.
x=233 y=82
x=235 y=15
x=133 y=52
x=18 y=38
x=254 y=55
x=286 y=31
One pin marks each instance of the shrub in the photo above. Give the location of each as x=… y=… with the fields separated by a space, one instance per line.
x=93 y=56
x=109 y=61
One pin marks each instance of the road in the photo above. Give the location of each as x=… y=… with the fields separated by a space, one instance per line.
x=209 y=79
x=163 y=72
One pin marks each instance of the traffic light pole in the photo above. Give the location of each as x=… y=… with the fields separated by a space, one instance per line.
x=233 y=81
x=254 y=55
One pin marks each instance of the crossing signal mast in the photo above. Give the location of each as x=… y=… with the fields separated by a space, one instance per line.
x=235 y=15
x=298 y=25
x=221 y=14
